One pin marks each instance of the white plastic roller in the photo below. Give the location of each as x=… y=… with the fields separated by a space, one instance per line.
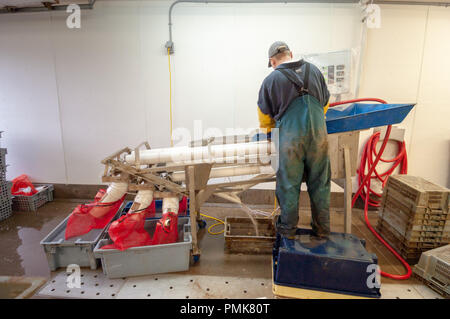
x=170 y=204
x=115 y=192
x=143 y=199
x=206 y=153
x=229 y=171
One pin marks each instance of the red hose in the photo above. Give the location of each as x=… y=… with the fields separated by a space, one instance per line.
x=364 y=180
x=358 y=100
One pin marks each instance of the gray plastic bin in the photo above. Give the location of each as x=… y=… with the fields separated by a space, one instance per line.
x=77 y=250
x=5 y=209
x=5 y=191
x=33 y=202
x=434 y=269
x=147 y=260
x=3 y=152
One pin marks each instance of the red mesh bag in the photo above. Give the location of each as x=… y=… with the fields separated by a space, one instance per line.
x=150 y=210
x=166 y=231
x=128 y=231
x=22 y=185
x=95 y=215
x=98 y=197
x=182 y=206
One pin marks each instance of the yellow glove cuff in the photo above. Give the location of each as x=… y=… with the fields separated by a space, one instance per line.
x=325 y=108
x=265 y=121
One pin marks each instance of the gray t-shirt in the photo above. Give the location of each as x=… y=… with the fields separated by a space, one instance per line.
x=277 y=91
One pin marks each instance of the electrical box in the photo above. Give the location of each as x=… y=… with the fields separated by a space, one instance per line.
x=336 y=69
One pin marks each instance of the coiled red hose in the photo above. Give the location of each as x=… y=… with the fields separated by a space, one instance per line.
x=364 y=180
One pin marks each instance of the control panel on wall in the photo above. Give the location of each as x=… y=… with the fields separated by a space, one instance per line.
x=336 y=69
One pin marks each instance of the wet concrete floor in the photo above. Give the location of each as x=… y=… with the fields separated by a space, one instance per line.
x=20 y=236
x=22 y=254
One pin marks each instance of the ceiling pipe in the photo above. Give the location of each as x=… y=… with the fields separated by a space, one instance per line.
x=170 y=45
x=10 y=9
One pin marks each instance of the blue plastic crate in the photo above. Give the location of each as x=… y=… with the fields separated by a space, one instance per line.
x=158 y=208
x=360 y=116
x=338 y=265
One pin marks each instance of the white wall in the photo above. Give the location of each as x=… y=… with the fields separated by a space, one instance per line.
x=29 y=107
x=407 y=61
x=68 y=98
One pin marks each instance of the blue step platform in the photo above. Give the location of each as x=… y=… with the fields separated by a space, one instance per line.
x=308 y=267
x=360 y=116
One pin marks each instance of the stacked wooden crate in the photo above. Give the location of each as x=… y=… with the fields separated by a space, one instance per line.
x=414 y=215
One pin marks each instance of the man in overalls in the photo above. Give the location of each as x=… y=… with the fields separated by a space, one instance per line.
x=294 y=98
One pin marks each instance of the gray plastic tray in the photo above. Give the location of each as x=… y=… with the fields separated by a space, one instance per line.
x=33 y=202
x=77 y=250
x=434 y=268
x=147 y=260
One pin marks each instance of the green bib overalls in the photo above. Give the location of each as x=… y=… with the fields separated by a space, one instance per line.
x=303 y=150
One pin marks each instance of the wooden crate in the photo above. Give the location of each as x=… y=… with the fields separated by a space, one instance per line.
x=407 y=253
x=240 y=236
x=419 y=192
x=391 y=200
x=415 y=227
x=410 y=251
x=415 y=236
